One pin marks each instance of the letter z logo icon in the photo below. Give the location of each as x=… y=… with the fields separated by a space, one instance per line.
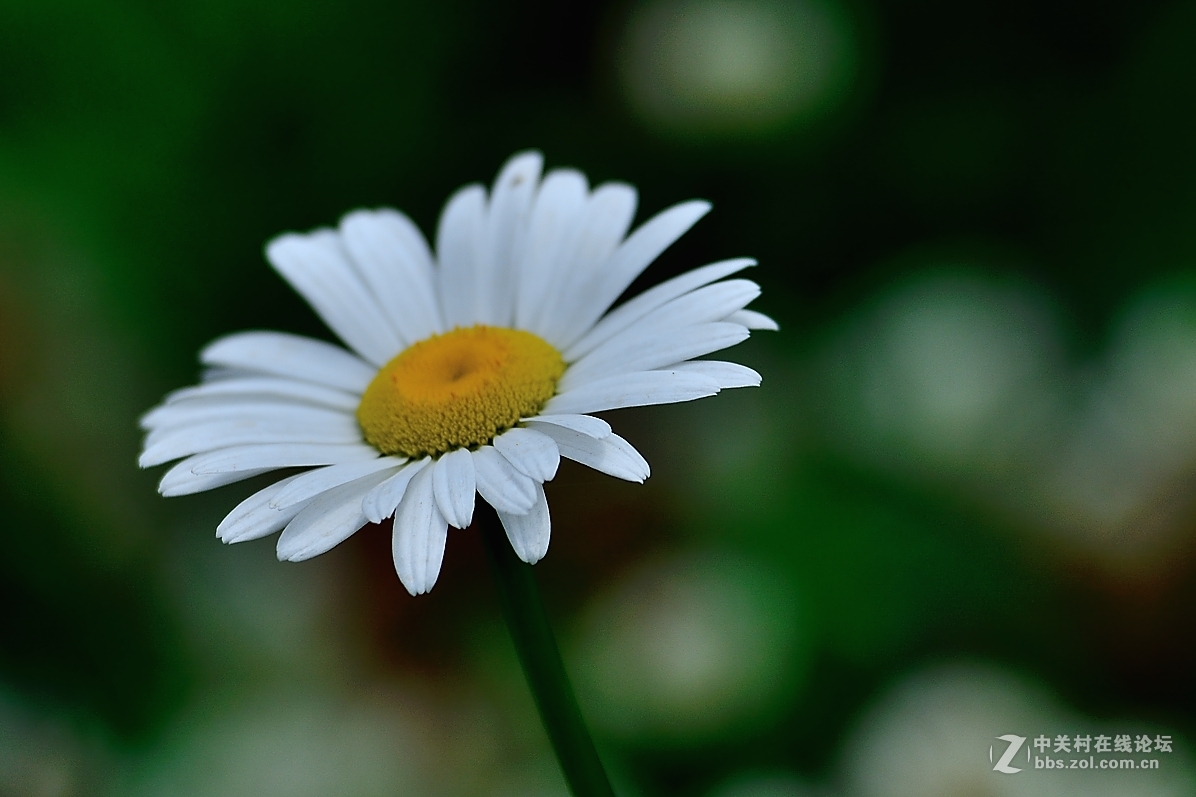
x=1015 y=744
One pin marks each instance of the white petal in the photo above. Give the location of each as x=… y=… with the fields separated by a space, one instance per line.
x=506 y=228
x=612 y=454
x=164 y=445
x=318 y=267
x=586 y=424
x=503 y=487
x=704 y=305
x=314 y=482
x=532 y=453
x=651 y=352
x=272 y=457
x=529 y=532
x=459 y=239
x=395 y=261
x=753 y=320
x=219 y=373
x=255 y=518
x=382 y=501
x=280 y=354
x=316 y=430
x=181 y=480
x=327 y=521
x=632 y=390
x=556 y=216
x=267 y=386
x=634 y=309
x=232 y=408
x=420 y=533
x=724 y=373
x=628 y=262
x=453 y=485
x=608 y=214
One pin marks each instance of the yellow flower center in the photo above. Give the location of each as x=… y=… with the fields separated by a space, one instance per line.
x=458 y=390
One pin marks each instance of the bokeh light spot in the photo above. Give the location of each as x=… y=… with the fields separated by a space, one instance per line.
x=731 y=66
x=691 y=647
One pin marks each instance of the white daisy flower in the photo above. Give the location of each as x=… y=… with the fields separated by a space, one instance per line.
x=471 y=370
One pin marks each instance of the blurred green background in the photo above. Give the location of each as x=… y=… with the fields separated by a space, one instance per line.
x=960 y=506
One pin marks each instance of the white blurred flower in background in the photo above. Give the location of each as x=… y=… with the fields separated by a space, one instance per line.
x=961 y=379
x=697 y=66
x=929 y=737
x=1124 y=479
x=949 y=371
x=290 y=745
x=689 y=647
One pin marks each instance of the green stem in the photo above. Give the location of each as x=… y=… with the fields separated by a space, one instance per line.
x=541 y=660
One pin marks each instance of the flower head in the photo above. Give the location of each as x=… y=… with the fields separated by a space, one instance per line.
x=471 y=370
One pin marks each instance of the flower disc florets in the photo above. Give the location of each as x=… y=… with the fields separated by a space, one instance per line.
x=458 y=390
